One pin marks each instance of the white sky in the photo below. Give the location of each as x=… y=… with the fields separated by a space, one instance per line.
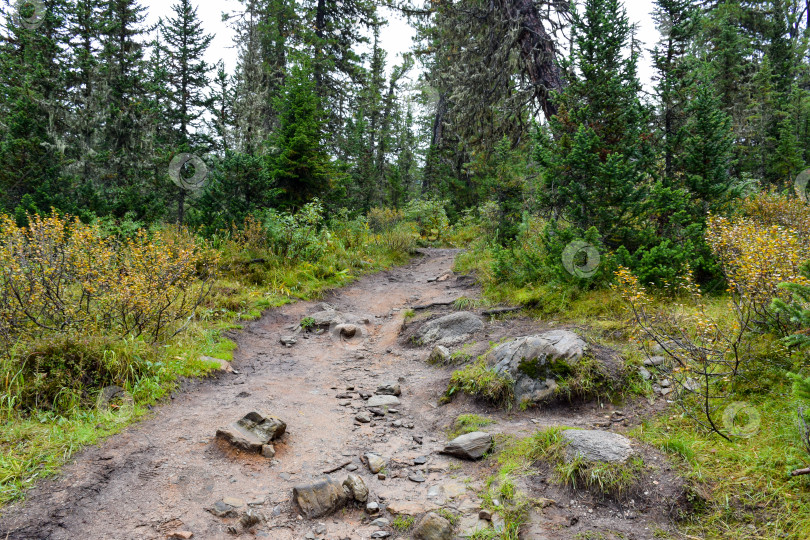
x=396 y=38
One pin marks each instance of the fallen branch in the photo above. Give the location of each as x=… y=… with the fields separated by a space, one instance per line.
x=799 y=472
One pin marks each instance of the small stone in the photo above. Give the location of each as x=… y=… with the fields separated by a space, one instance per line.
x=645 y=374
x=180 y=535
x=381 y=476
x=432 y=526
x=321 y=497
x=252 y=431
x=319 y=529
x=347 y=331
x=382 y=401
x=439 y=355
x=345 y=403
x=654 y=361
x=222 y=510
x=390 y=389
x=351 y=467
x=666 y=383
x=380 y=522
x=268 y=451
x=470 y=446
x=373 y=508
x=420 y=460
x=375 y=463
x=397 y=423
x=310 y=536
x=376 y=411
x=363 y=417
x=233 y=501
x=380 y=534
x=485 y=514
x=288 y=341
x=250 y=518
x=357 y=487
x=417 y=477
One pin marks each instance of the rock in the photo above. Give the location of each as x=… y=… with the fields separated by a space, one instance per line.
x=666 y=383
x=373 y=508
x=397 y=423
x=250 y=518
x=288 y=341
x=535 y=362
x=252 y=431
x=485 y=514
x=382 y=401
x=408 y=508
x=376 y=411
x=319 y=529
x=469 y=446
x=347 y=331
x=234 y=502
x=472 y=526
x=645 y=374
x=222 y=509
x=380 y=522
x=450 y=329
x=439 y=355
x=268 y=451
x=654 y=361
x=420 y=460
x=375 y=463
x=224 y=365
x=691 y=384
x=327 y=318
x=357 y=488
x=391 y=389
x=363 y=417
x=417 y=477
x=320 y=498
x=452 y=490
x=432 y=526
x=181 y=535
x=596 y=445
x=380 y=534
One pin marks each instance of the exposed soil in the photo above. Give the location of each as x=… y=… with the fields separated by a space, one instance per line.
x=161 y=474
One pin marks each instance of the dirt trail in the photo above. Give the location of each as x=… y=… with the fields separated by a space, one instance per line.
x=161 y=474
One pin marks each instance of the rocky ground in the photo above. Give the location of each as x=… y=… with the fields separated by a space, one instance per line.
x=361 y=405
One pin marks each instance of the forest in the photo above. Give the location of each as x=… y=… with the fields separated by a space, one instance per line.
x=153 y=204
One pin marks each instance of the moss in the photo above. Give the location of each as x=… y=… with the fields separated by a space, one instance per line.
x=467 y=423
x=482 y=381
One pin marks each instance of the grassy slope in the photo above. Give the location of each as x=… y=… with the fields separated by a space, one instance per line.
x=35 y=445
x=749 y=493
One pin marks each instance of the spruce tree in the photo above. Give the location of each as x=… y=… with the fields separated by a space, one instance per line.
x=595 y=156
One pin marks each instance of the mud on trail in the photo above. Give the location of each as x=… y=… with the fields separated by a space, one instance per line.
x=162 y=474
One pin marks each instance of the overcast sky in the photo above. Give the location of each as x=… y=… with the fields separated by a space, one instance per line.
x=396 y=39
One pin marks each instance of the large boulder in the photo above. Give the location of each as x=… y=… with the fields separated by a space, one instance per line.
x=450 y=329
x=252 y=431
x=534 y=363
x=432 y=526
x=596 y=445
x=470 y=446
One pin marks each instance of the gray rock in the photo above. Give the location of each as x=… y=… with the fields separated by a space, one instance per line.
x=346 y=330
x=223 y=510
x=380 y=534
x=375 y=463
x=391 y=389
x=534 y=362
x=654 y=361
x=645 y=374
x=380 y=522
x=450 y=329
x=596 y=445
x=252 y=431
x=469 y=446
x=432 y=526
x=289 y=341
x=439 y=355
x=327 y=318
x=363 y=417
x=357 y=487
x=373 y=508
x=376 y=411
x=382 y=401
x=268 y=451
x=320 y=498
x=417 y=477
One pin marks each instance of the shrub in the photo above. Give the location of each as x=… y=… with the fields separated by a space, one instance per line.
x=295 y=237
x=383 y=219
x=60 y=276
x=430 y=216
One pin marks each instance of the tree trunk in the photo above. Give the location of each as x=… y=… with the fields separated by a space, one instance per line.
x=538 y=52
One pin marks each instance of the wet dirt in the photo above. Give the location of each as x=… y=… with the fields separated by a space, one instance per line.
x=162 y=474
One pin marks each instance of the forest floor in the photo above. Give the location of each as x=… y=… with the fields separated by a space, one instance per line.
x=161 y=475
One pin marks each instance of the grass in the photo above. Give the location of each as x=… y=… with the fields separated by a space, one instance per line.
x=749 y=493
x=403 y=523
x=36 y=442
x=480 y=380
x=468 y=423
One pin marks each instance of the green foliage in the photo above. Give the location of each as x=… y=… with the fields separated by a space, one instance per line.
x=467 y=423
x=480 y=380
x=403 y=523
